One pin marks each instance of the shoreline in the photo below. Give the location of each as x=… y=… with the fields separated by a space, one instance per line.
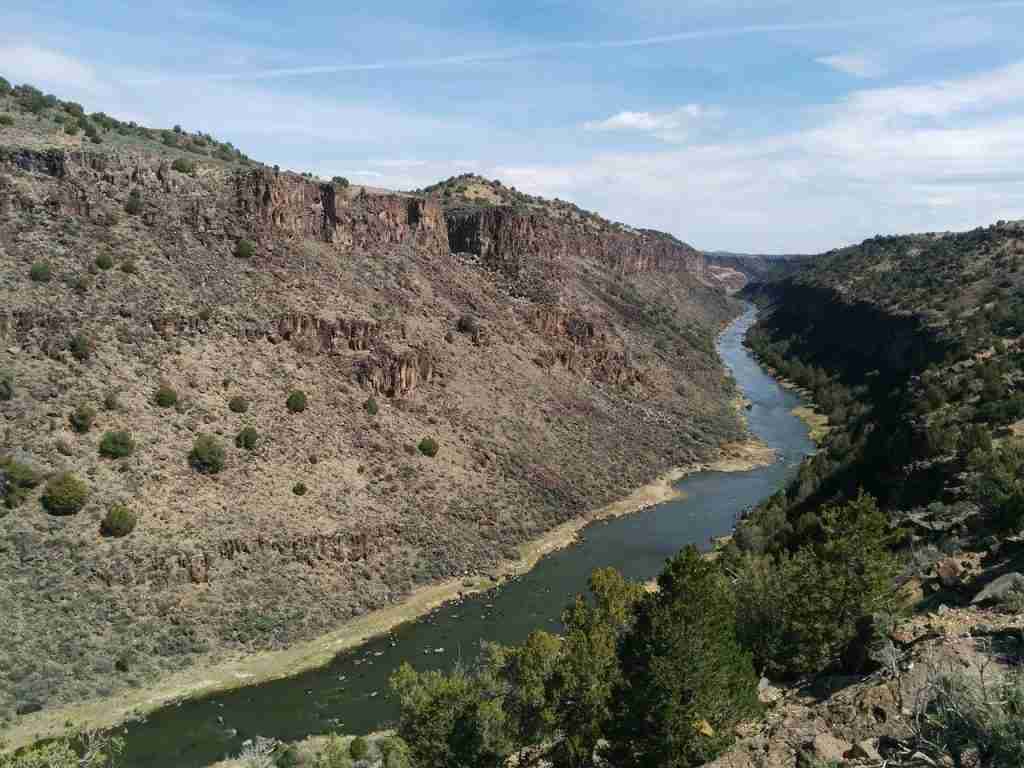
x=261 y=667
x=818 y=425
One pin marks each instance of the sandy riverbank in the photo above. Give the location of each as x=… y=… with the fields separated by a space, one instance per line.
x=816 y=421
x=204 y=679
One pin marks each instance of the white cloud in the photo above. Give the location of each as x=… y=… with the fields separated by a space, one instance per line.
x=47 y=68
x=923 y=157
x=856 y=64
x=674 y=126
x=988 y=90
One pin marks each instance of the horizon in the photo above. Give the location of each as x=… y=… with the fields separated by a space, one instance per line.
x=766 y=128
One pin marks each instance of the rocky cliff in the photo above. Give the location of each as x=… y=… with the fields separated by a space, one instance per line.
x=510 y=240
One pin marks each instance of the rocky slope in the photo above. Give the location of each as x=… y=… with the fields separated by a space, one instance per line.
x=555 y=364
x=736 y=270
x=912 y=345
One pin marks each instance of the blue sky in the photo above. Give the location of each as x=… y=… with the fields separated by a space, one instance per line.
x=764 y=126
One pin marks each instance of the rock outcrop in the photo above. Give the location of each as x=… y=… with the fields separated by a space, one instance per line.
x=509 y=240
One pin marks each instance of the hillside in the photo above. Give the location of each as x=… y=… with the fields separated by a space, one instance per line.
x=922 y=331
x=471 y=376
x=911 y=345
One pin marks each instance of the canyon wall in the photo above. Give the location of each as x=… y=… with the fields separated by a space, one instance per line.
x=506 y=239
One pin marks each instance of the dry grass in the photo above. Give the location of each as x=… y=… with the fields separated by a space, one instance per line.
x=816 y=422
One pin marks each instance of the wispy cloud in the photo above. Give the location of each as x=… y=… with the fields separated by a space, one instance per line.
x=674 y=126
x=856 y=64
x=532 y=51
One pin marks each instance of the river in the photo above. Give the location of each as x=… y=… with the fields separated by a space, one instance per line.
x=351 y=693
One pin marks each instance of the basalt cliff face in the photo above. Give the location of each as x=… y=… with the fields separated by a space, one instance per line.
x=556 y=365
x=512 y=240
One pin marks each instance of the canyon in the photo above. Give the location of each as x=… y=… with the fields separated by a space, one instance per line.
x=557 y=361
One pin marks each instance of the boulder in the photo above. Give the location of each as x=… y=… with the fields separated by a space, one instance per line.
x=829 y=748
x=950 y=572
x=865 y=750
x=999 y=589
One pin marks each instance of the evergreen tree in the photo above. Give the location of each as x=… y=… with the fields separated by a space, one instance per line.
x=588 y=669
x=686 y=681
x=451 y=720
x=528 y=702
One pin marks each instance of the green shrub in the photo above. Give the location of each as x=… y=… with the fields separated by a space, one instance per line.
x=104 y=261
x=6 y=385
x=468 y=324
x=296 y=401
x=184 y=165
x=359 y=749
x=65 y=494
x=112 y=401
x=447 y=720
x=40 y=272
x=299 y=489
x=333 y=754
x=805 y=611
x=238 y=404
x=371 y=407
x=247 y=438
x=21 y=478
x=999 y=483
x=394 y=753
x=165 y=396
x=6 y=120
x=207 y=455
x=965 y=716
x=134 y=204
x=244 y=249
x=117 y=445
x=290 y=758
x=82 y=418
x=428 y=447
x=71 y=128
x=82 y=347
x=81 y=750
x=340 y=181
x=688 y=681
x=119 y=521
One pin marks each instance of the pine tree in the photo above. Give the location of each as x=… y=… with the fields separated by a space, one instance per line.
x=686 y=680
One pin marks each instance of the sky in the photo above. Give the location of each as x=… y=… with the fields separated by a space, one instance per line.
x=766 y=126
